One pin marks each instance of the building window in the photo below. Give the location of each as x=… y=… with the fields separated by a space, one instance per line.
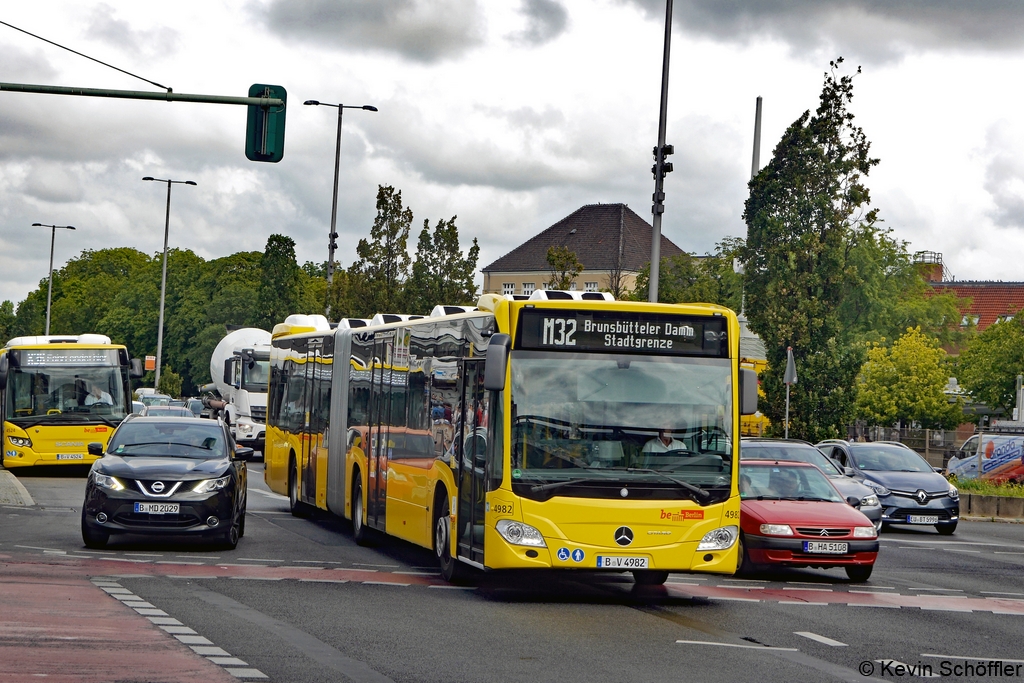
x=528 y=288
x=572 y=286
x=1004 y=318
x=970 y=319
x=590 y=286
x=508 y=288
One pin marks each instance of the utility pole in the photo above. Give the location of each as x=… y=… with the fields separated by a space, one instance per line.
x=661 y=167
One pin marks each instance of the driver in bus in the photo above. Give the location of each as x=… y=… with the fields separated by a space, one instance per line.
x=98 y=397
x=663 y=443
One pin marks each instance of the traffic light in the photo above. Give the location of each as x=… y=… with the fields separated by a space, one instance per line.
x=264 y=130
x=666 y=166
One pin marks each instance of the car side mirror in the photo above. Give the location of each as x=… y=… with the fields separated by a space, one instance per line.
x=243 y=453
x=937 y=469
x=135 y=370
x=95 y=448
x=848 y=471
x=853 y=500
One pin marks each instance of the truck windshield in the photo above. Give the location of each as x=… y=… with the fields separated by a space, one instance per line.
x=60 y=388
x=611 y=420
x=255 y=375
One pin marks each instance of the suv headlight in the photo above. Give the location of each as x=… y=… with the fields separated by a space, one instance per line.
x=106 y=482
x=869 y=501
x=954 y=493
x=776 y=530
x=876 y=487
x=721 y=538
x=207 y=485
x=20 y=441
x=864 y=532
x=518 y=533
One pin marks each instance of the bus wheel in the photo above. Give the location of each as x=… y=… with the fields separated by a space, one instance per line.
x=298 y=508
x=649 y=577
x=452 y=570
x=93 y=539
x=360 y=534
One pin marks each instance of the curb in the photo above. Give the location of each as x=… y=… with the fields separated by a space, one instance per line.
x=12 y=491
x=1004 y=520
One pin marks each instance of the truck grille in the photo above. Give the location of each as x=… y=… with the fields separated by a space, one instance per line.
x=258 y=413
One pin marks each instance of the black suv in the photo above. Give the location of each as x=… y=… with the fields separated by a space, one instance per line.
x=910 y=490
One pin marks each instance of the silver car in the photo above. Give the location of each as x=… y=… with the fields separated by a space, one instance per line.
x=801 y=451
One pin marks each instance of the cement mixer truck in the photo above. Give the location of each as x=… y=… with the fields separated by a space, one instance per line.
x=240 y=368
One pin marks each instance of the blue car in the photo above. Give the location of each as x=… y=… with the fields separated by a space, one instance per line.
x=909 y=489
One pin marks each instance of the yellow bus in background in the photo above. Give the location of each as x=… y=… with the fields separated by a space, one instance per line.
x=568 y=431
x=59 y=393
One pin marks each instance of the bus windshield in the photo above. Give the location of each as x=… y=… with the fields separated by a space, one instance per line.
x=605 y=420
x=65 y=386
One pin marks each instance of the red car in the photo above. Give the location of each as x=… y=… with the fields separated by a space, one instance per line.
x=791 y=515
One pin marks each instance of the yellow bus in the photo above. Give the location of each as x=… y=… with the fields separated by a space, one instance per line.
x=567 y=431
x=60 y=393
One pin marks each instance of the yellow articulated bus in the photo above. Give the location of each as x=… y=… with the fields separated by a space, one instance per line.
x=58 y=394
x=566 y=431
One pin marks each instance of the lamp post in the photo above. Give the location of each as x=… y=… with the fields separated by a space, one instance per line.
x=49 y=287
x=333 y=235
x=163 y=278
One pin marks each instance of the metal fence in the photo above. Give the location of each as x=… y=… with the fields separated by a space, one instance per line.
x=936 y=445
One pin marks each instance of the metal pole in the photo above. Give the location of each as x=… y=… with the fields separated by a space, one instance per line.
x=787 y=410
x=163 y=292
x=334 y=203
x=755 y=165
x=49 y=287
x=659 y=160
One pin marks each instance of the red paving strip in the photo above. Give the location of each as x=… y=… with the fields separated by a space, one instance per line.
x=926 y=602
x=55 y=625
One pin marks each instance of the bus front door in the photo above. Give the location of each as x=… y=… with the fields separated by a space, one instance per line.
x=379 y=432
x=471 y=450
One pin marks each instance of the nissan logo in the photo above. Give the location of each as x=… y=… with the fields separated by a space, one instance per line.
x=623 y=535
x=157 y=486
x=921 y=496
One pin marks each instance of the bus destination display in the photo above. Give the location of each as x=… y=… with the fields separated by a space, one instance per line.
x=67 y=357
x=622 y=332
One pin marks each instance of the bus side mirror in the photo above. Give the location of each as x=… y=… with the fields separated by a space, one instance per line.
x=136 y=370
x=497 y=362
x=5 y=365
x=748 y=391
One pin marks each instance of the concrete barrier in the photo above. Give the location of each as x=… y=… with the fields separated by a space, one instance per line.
x=984 y=506
x=999 y=507
x=12 y=492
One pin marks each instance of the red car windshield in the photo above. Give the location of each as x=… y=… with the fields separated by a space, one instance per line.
x=779 y=481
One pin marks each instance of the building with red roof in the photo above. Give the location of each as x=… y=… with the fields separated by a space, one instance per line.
x=987 y=302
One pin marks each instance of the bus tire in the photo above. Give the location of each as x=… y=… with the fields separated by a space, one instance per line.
x=745 y=566
x=649 y=577
x=93 y=539
x=452 y=570
x=360 y=534
x=298 y=508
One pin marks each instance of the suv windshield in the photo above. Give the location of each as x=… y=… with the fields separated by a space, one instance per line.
x=614 y=419
x=171 y=438
x=794 y=451
x=882 y=457
x=785 y=482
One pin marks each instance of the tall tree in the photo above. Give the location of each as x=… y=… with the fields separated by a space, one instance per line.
x=905 y=384
x=989 y=365
x=280 y=286
x=565 y=267
x=802 y=209
x=441 y=273
x=376 y=280
x=686 y=278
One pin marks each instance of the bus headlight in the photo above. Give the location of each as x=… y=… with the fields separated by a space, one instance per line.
x=106 y=482
x=207 y=485
x=518 y=533
x=20 y=441
x=721 y=538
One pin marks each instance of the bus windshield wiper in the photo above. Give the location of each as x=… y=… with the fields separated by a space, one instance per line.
x=552 y=486
x=696 y=490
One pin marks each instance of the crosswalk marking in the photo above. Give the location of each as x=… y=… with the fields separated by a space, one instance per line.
x=824 y=640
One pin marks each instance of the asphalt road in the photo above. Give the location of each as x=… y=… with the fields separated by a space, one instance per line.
x=299 y=601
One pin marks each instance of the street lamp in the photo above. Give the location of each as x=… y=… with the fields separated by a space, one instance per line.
x=333 y=235
x=163 y=279
x=49 y=287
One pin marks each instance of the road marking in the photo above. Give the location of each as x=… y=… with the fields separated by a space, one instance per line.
x=723 y=597
x=950 y=590
x=385 y=583
x=1005 y=552
x=366 y=564
x=800 y=602
x=257 y=578
x=743 y=647
x=164 y=621
x=196 y=564
x=178 y=630
x=256 y=559
x=207 y=651
x=195 y=576
x=426 y=574
x=810 y=583
x=960 y=550
x=871 y=592
x=205 y=557
x=999 y=593
x=864 y=604
x=819 y=590
x=32 y=547
x=150 y=612
x=354 y=569
x=739 y=588
x=303 y=568
x=268 y=494
x=945 y=609
x=980 y=659
x=747 y=580
x=324 y=580
x=821 y=639
x=915 y=670
x=228 y=661
x=194 y=640
x=144 y=554
x=456 y=588
x=913 y=547
x=246 y=673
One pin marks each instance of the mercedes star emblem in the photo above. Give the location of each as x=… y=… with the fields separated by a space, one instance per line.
x=158 y=486
x=921 y=496
x=623 y=535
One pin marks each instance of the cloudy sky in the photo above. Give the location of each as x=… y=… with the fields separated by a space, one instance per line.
x=509 y=115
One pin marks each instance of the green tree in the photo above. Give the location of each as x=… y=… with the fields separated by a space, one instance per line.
x=280 y=290
x=441 y=273
x=686 y=278
x=7 y=321
x=376 y=280
x=170 y=381
x=565 y=267
x=988 y=366
x=802 y=209
x=905 y=384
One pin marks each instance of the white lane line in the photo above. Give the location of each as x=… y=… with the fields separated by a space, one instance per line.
x=228 y=564
x=55 y=552
x=960 y=550
x=385 y=583
x=164 y=621
x=351 y=569
x=938 y=542
x=428 y=574
x=256 y=559
x=456 y=588
x=818 y=590
x=742 y=588
x=999 y=593
x=257 y=578
x=300 y=567
x=314 y=562
x=723 y=597
x=852 y=590
x=979 y=659
x=820 y=639
x=140 y=604
x=178 y=630
x=945 y=609
x=150 y=612
x=948 y=590
x=366 y=564
x=208 y=651
x=126 y=559
x=194 y=640
x=810 y=583
x=746 y=580
x=32 y=547
x=228 y=661
x=683 y=583
x=912 y=670
x=194 y=564
x=246 y=673
x=1005 y=552
x=205 y=557
x=800 y=602
x=743 y=647
x=915 y=547
x=864 y=604
x=191 y=576
x=144 y=554
x=323 y=580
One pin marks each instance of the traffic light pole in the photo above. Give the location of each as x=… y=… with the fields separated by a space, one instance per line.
x=660 y=166
x=141 y=95
x=331 y=240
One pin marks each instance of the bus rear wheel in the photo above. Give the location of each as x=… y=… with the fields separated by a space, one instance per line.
x=360 y=534
x=298 y=508
x=452 y=570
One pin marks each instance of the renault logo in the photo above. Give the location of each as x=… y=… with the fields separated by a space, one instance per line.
x=623 y=535
x=921 y=496
x=157 y=486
